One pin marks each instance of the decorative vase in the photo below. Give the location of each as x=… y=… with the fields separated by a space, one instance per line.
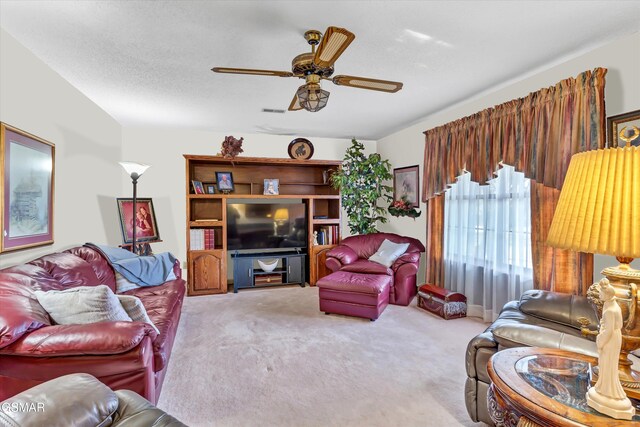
x=268 y=265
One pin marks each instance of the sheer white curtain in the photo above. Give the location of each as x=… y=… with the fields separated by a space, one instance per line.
x=487 y=241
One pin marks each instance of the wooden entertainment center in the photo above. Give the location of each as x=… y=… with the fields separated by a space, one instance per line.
x=304 y=180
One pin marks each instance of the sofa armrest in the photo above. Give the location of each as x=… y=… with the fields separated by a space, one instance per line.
x=137 y=410
x=339 y=256
x=410 y=258
x=344 y=254
x=73 y=340
x=483 y=340
x=72 y=400
x=177 y=270
x=522 y=334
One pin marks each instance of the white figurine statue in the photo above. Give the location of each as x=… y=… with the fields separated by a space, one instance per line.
x=315 y=238
x=608 y=396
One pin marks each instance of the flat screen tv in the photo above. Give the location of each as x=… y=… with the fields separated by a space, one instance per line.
x=266 y=226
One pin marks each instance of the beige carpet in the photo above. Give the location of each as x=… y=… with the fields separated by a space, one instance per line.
x=269 y=357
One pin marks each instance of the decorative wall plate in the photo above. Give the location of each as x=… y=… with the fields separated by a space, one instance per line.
x=300 y=148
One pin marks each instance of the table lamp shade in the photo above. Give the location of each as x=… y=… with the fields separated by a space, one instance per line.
x=599 y=206
x=281 y=214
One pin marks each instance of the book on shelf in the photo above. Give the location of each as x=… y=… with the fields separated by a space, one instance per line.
x=207 y=220
x=201 y=239
x=328 y=235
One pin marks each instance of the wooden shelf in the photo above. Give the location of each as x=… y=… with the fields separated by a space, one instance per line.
x=261 y=184
x=266 y=273
x=261 y=161
x=328 y=221
x=263 y=196
x=217 y=223
x=318 y=247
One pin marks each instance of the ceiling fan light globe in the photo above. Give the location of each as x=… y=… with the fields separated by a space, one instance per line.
x=312 y=97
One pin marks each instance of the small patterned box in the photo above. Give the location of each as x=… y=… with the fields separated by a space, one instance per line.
x=443 y=302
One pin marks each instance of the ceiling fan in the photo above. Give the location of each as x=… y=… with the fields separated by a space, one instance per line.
x=318 y=65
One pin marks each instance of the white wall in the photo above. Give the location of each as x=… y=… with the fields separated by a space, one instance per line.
x=165 y=180
x=88 y=145
x=622 y=94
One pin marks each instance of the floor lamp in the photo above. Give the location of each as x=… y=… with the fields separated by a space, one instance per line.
x=135 y=171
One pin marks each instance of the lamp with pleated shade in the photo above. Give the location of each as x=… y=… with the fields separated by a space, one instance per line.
x=599 y=212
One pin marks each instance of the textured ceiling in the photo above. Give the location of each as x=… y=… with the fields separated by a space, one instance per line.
x=147 y=63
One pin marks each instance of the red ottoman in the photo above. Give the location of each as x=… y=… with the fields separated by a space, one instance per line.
x=354 y=294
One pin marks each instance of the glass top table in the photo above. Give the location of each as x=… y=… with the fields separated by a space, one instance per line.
x=546 y=387
x=563 y=379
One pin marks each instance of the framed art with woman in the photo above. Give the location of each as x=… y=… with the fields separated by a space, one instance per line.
x=145 y=218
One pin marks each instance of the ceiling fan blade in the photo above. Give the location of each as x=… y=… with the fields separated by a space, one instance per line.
x=366 y=83
x=295 y=103
x=250 y=71
x=333 y=43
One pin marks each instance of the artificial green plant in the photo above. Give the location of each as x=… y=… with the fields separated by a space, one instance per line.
x=361 y=182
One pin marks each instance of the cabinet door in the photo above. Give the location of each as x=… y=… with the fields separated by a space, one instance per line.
x=295 y=271
x=318 y=263
x=242 y=273
x=207 y=272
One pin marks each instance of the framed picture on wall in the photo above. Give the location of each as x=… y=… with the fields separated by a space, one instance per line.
x=624 y=129
x=26 y=190
x=145 y=217
x=406 y=184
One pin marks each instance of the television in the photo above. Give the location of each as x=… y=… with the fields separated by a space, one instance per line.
x=262 y=225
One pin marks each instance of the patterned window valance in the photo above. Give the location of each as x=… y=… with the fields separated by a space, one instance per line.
x=536 y=134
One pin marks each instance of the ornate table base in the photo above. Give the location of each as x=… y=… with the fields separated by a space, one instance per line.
x=503 y=415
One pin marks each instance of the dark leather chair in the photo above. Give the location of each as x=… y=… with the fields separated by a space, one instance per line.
x=80 y=400
x=352 y=254
x=123 y=355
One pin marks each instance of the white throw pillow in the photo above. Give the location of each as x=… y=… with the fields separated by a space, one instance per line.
x=82 y=305
x=135 y=309
x=389 y=252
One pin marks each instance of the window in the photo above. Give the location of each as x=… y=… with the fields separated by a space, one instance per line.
x=487 y=239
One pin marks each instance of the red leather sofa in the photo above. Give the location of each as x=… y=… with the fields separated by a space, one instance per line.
x=123 y=355
x=352 y=254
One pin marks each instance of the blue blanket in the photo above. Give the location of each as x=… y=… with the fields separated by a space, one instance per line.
x=150 y=270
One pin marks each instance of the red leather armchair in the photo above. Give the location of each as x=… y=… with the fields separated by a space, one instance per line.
x=353 y=253
x=123 y=355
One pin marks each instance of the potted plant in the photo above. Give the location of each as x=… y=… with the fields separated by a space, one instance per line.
x=361 y=181
x=403 y=207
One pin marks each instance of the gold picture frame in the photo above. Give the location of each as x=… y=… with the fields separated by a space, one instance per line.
x=624 y=129
x=27 y=189
x=406 y=183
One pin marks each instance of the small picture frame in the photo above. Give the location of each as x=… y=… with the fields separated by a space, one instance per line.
x=197 y=187
x=146 y=225
x=624 y=129
x=210 y=188
x=271 y=187
x=224 y=182
x=406 y=183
